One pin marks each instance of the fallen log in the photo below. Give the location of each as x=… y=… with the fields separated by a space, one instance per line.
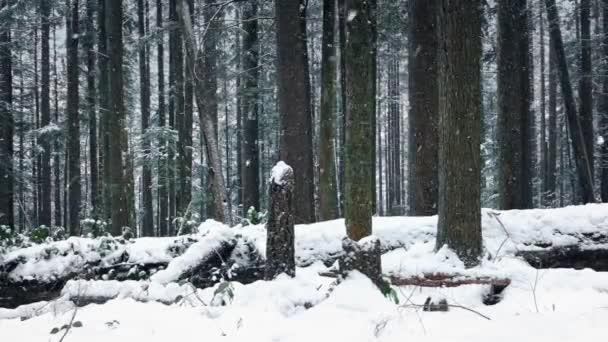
x=448 y=280
x=567 y=257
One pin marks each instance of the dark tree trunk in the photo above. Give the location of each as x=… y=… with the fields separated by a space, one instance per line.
x=603 y=121
x=280 y=244
x=581 y=152
x=328 y=195
x=249 y=101
x=360 y=114
x=459 y=224
x=294 y=103
x=45 y=114
x=585 y=89
x=89 y=45
x=104 y=110
x=56 y=160
x=116 y=120
x=163 y=200
x=73 y=120
x=147 y=221
x=342 y=80
x=6 y=125
x=551 y=184
x=514 y=172
x=544 y=169
x=423 y=116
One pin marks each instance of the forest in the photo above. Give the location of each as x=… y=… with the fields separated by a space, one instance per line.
x=195 y=149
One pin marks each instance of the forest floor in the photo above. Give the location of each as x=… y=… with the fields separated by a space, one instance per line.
x=539 y=305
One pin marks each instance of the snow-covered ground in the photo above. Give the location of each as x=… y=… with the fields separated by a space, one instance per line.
x=539 y=305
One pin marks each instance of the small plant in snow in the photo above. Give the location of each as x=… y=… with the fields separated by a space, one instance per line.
x=223 y=294
x=255 y=217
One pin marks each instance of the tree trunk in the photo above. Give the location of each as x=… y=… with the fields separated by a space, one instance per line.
x=423 y=116
x=360 y=113
x=249 y=101
x=294 y=103
x=6 y=125
x=551 y=184
x=544 y=169
x=147 y=228
x=163 y=200
x=328 y=195
x=585 y=89
x=342 y=79
x=195 y=66
x=280 y=246
x=603 y=121
x=45 y=114
x=73 y=120
x=56 y=160
x=89 y=45
x=514 y=172
x=116 y=120
x=581 y=152
x=104 y=110
x=459 y=224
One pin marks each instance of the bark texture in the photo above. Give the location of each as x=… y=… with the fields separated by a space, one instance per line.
x=423 y=116
x=459 y=224
x=280 y=248
x=6 y=125
x=514 y=131
x=294 y=103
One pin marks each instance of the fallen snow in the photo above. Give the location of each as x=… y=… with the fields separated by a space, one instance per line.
x=279 y=172
x=539 y=305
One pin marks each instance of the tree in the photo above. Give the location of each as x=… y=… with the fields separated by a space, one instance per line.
x=513 y=137
x=423 y=119
x=45 y=114
x=195 y=66
x=459 y=224
x=328 y=195
x=585 y=88
x=104 y=109
x=551 y=181
x=163 y=199
x=116 y=119
x=89 y=45
x=147 y=221
x=581 y=152
x=250 y=176
x=294 y=103
x=360 y=111
x=603 y=123
x=6 y=124
x=73 y=119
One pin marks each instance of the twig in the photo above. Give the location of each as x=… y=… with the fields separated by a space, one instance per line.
x=452 y=306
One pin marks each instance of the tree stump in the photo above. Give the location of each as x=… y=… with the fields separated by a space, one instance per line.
x=280 y=249
x=363 y=256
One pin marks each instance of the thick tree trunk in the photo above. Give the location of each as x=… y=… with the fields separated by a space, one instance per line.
x=147 y=222
x=514 y=172
x=360 y=114
x=280 y=246
x=394 y=122
x=250 y=176
x=544 y=169
x=73 y=120
x=6 y=125
x=459 y=224
x=581 y=152
x=116 y=120
x=56 y=160
x=423 y=116
x=45 y=114
x=104 y=109
x=603 y=121
x=328 y=195
x=294 y=103
x=195 y=66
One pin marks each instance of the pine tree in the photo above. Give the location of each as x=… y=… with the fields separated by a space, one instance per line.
x=6 y=124
x=603 y=121
x=73 y=119
x=45 y=114
x=89 y=45
x=459 y=224
x=423 y=120
x=249 y=103
x=514 y=131
x=294 y=103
